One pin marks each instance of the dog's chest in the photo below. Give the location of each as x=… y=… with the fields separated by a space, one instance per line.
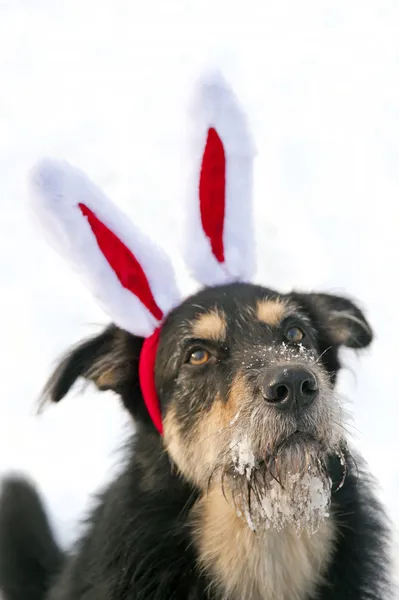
x=244 y=565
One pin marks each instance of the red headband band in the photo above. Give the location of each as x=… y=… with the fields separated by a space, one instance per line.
x=147 y=378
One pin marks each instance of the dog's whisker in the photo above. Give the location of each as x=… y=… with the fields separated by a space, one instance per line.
x=317 y=360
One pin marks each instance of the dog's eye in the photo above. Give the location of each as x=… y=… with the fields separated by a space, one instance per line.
x=294 y=334
x=199 y=357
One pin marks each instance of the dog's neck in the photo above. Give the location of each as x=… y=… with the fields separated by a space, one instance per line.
x=243 y=564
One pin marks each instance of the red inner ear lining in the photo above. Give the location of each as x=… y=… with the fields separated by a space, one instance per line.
x=212 y=192
x=123 y=262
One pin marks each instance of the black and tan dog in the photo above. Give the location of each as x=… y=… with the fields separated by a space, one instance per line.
x=239 y=483
x=251 y=494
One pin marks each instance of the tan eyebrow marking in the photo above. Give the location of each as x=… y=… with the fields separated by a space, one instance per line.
x=211 y=325
x=271 y=312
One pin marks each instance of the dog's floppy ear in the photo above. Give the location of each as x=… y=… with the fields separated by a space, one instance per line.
x=109 y=360
x=344 y=321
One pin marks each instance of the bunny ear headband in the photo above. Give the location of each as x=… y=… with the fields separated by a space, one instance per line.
x=130 y=275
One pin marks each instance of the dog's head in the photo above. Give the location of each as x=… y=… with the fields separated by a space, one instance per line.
x=245 y=377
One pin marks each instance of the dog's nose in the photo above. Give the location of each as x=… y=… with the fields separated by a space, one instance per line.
x=284 y=386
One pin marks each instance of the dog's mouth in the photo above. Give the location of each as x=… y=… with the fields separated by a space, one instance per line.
x=299 y=444
x=293 y=454
x=289 y=485
x=299 y=437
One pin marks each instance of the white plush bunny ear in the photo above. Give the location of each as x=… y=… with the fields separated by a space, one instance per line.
x=219 y=245
x=130 y=276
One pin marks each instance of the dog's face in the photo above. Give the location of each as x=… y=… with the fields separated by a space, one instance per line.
x=245 y=377
x=246 y=380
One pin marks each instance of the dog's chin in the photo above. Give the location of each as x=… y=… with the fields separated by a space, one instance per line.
x=290 y=487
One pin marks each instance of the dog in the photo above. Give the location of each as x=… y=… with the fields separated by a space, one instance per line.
x=239 y=482
x=253 y=491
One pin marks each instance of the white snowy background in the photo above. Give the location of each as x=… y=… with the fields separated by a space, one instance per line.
x=105 y=84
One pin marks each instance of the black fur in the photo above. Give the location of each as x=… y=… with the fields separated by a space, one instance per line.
x=29 y=556
x=138 y=542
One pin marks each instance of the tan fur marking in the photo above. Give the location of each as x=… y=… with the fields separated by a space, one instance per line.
x=174 y=443
x=195 y=457
x=222 y=413
x=339 y=334
x=247 y=566
x=271 y=312
x=106 y=379
x=211 y=326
